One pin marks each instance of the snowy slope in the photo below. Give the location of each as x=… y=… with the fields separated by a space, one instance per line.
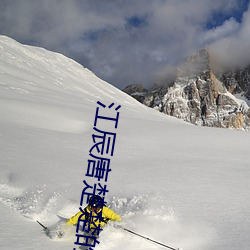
x=182 y=185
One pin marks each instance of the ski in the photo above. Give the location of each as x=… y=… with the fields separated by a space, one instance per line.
x=62 y=217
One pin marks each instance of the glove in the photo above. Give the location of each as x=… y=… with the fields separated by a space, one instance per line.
x=60 y=234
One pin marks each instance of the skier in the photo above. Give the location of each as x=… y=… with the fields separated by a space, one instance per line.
x=97 y=208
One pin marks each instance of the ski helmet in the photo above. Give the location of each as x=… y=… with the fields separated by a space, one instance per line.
x=95 y=201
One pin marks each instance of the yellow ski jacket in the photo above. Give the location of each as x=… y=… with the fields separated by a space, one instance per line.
x=107 y=214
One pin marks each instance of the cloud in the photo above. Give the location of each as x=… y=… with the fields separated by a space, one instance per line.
x=228 y=28
x=233 y=49
x=121 y=41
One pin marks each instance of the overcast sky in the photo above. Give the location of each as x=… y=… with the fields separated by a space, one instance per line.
x=131 y=41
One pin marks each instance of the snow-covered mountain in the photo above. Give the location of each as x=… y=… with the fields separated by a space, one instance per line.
x=201 y=96
x=183 y=185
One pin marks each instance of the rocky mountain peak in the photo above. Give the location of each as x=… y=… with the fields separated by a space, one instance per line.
x=196 y=64
x=200 y=96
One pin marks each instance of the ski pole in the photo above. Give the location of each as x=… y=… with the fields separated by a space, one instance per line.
x=150 y=239
x=45 y=228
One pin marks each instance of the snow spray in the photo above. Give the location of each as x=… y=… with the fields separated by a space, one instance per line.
x=99 y=168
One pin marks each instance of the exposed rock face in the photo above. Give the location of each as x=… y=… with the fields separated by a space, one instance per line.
x=199 y=97
x=237 y=81
x=134 y=88
x=137 y=91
